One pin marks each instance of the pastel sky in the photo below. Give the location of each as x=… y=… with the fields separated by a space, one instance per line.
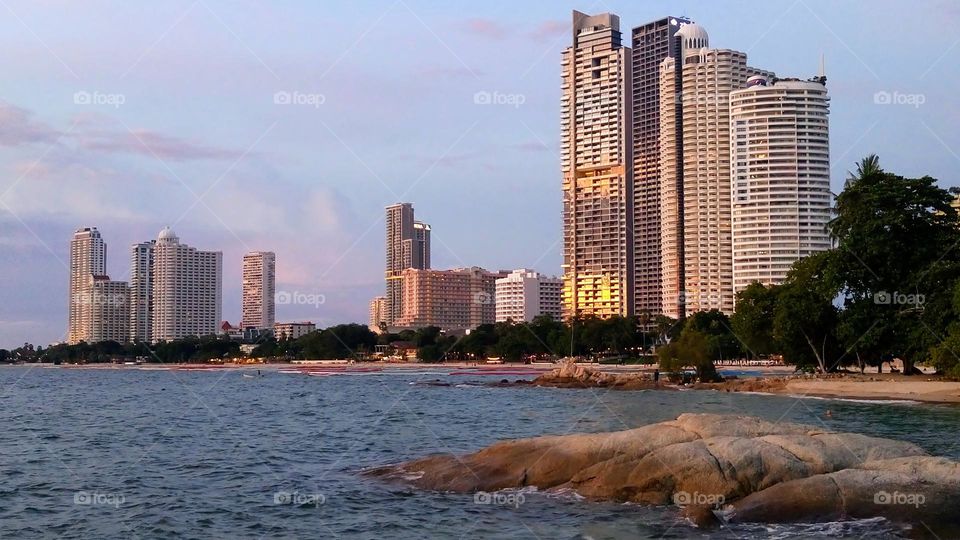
x=176 y=124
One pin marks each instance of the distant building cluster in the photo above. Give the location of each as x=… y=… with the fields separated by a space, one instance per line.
x=418 y=296
x=687 y=174
x=174 y=292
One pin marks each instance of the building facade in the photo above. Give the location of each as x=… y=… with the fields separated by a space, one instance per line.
x=292 y=330
x=652 y=43
x=597 y=167
x=109 y=311
x=708 y=77
x=141 y=292
x=407 y=246
x=524 y=294
x=88 y=258
x=187 y=284
x=457 y=299
x=258 y=301
x=780 y=160
x=378 y=312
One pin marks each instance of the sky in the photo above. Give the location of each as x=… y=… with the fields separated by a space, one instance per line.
x=288 y=126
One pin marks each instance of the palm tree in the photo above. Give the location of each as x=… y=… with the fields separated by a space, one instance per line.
x=868 y=166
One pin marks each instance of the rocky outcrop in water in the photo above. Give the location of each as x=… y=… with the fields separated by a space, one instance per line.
x=743 y=468
x=571 y=375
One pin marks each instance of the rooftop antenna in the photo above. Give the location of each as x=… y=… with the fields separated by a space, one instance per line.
x=821 y=72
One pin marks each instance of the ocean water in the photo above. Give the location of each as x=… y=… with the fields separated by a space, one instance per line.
x=128 y=453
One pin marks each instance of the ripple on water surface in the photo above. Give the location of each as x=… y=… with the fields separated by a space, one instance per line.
x=168 y=454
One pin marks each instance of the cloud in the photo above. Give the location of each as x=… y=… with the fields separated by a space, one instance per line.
x=549 y=30
x=151 y=143
x=18 y=127
x=487 y=28
x=92 y=132
x=448 y=160
x=531 y=146
x=451 y=72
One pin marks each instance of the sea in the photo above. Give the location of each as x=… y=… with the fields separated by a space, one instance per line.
x=133 y=453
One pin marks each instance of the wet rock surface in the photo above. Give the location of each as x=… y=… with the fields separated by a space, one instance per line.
x=735 y=468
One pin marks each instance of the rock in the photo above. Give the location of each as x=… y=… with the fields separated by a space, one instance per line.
x=760 y=471
x=701 y=516
x=571 y=375
x=920 y=489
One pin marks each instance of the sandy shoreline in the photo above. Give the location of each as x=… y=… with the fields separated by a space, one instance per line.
x=928 y=391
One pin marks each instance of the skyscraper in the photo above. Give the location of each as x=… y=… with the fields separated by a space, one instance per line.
x=597 y=163
x=99 y=308
x=652 y=43
x=186 y=289
x=698 y=261
x=378 y=310
x=88 y=258
x=259 y=289
x=109 y=311
x=141 y=291
x=407 y=246
x=780 y=154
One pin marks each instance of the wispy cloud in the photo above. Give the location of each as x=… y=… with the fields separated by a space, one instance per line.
x=487 y=28
x=531 y=146
x=18 y=126
x=549 y=30
x=149 y=143
x=450 y=72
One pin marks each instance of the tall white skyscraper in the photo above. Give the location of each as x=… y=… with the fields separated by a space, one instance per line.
x=141 y=291
x=259 y=290
x=187 y=293
x=780 y=160
x=99 y=308
x=696 y=212
x=88 y=258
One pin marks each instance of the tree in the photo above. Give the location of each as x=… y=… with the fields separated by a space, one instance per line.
x=805 y=318
x=896 y=240
x=753 y=320
x=692 y=349
x=715 y=325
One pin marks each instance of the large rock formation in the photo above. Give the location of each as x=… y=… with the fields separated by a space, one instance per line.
x=751 y=469
x=572 y=375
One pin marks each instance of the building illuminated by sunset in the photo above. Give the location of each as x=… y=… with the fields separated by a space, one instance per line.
x=596 y=164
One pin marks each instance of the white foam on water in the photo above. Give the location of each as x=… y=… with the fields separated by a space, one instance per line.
x=852 y=400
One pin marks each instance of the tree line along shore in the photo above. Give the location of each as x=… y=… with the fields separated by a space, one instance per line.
x=890 y=289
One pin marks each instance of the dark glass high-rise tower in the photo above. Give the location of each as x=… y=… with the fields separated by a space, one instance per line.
x=651 y=44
